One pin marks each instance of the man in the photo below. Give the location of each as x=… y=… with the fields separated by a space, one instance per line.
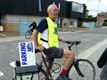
x=48 y=29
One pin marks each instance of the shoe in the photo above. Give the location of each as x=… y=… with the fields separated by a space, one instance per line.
x=63 y=78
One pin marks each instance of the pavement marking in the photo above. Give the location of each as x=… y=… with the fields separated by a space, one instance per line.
x=1 y=74
x=92 y=50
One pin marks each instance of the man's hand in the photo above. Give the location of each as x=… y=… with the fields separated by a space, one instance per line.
x=65 y=41
x=40 y=47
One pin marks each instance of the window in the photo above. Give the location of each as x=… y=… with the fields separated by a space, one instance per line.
x=77 y=7
x=64 y=24
x=71 y=22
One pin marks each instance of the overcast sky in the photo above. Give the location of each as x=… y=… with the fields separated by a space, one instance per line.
x=94 y=6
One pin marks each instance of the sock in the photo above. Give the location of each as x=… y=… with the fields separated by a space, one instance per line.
x=64 y=72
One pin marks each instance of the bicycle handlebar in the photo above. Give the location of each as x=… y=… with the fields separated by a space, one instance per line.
x=71 y=42
x=67 y=42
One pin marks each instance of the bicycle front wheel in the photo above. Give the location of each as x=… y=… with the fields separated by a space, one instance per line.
x=85 y=69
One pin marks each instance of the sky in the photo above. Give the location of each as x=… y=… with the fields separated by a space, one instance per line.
x=94 y=6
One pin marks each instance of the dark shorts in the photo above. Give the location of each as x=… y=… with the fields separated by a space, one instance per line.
x=54 y=52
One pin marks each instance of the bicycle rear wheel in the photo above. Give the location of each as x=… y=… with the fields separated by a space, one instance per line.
x=28 y=34
x=42 y=75
x=86 y=68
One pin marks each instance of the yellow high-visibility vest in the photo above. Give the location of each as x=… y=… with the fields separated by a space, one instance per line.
x=52 y=33
x=39 y=38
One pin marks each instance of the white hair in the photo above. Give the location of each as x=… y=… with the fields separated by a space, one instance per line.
x=50 y=7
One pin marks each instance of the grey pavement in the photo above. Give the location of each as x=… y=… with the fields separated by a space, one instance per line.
x=9 y=48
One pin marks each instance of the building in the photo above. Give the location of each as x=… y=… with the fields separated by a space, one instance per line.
x=102 y=16
x=15 y=15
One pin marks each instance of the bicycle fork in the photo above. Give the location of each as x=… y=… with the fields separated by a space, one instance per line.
x=76 y=67
x=76 y=64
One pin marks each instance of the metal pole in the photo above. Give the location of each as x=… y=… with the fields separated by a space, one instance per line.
x=40 y=6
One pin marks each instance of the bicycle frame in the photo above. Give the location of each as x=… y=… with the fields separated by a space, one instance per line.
x=44 y=61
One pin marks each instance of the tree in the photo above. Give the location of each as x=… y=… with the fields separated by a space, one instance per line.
x=90 y=19
x=87 y=17
x=85 y=10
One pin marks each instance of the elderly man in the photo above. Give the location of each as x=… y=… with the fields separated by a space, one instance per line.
x=49 y=40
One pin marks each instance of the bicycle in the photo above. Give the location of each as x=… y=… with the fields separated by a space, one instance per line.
x=84 y=68
x=80 y=65
x=32 y=26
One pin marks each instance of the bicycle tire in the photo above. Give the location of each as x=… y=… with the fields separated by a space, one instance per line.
x=56 y=68
x=28 y=34
x=42 y=75
x=87 y=68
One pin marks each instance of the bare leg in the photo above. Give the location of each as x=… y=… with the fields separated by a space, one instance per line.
x=69 y=57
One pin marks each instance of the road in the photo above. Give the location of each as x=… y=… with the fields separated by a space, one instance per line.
x=9 y=48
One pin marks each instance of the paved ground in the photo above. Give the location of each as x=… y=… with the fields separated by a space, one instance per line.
x=9 y=49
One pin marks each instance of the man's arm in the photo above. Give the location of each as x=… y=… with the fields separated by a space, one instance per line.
x=35 y=40
x=41 y=27
x=35 y=37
